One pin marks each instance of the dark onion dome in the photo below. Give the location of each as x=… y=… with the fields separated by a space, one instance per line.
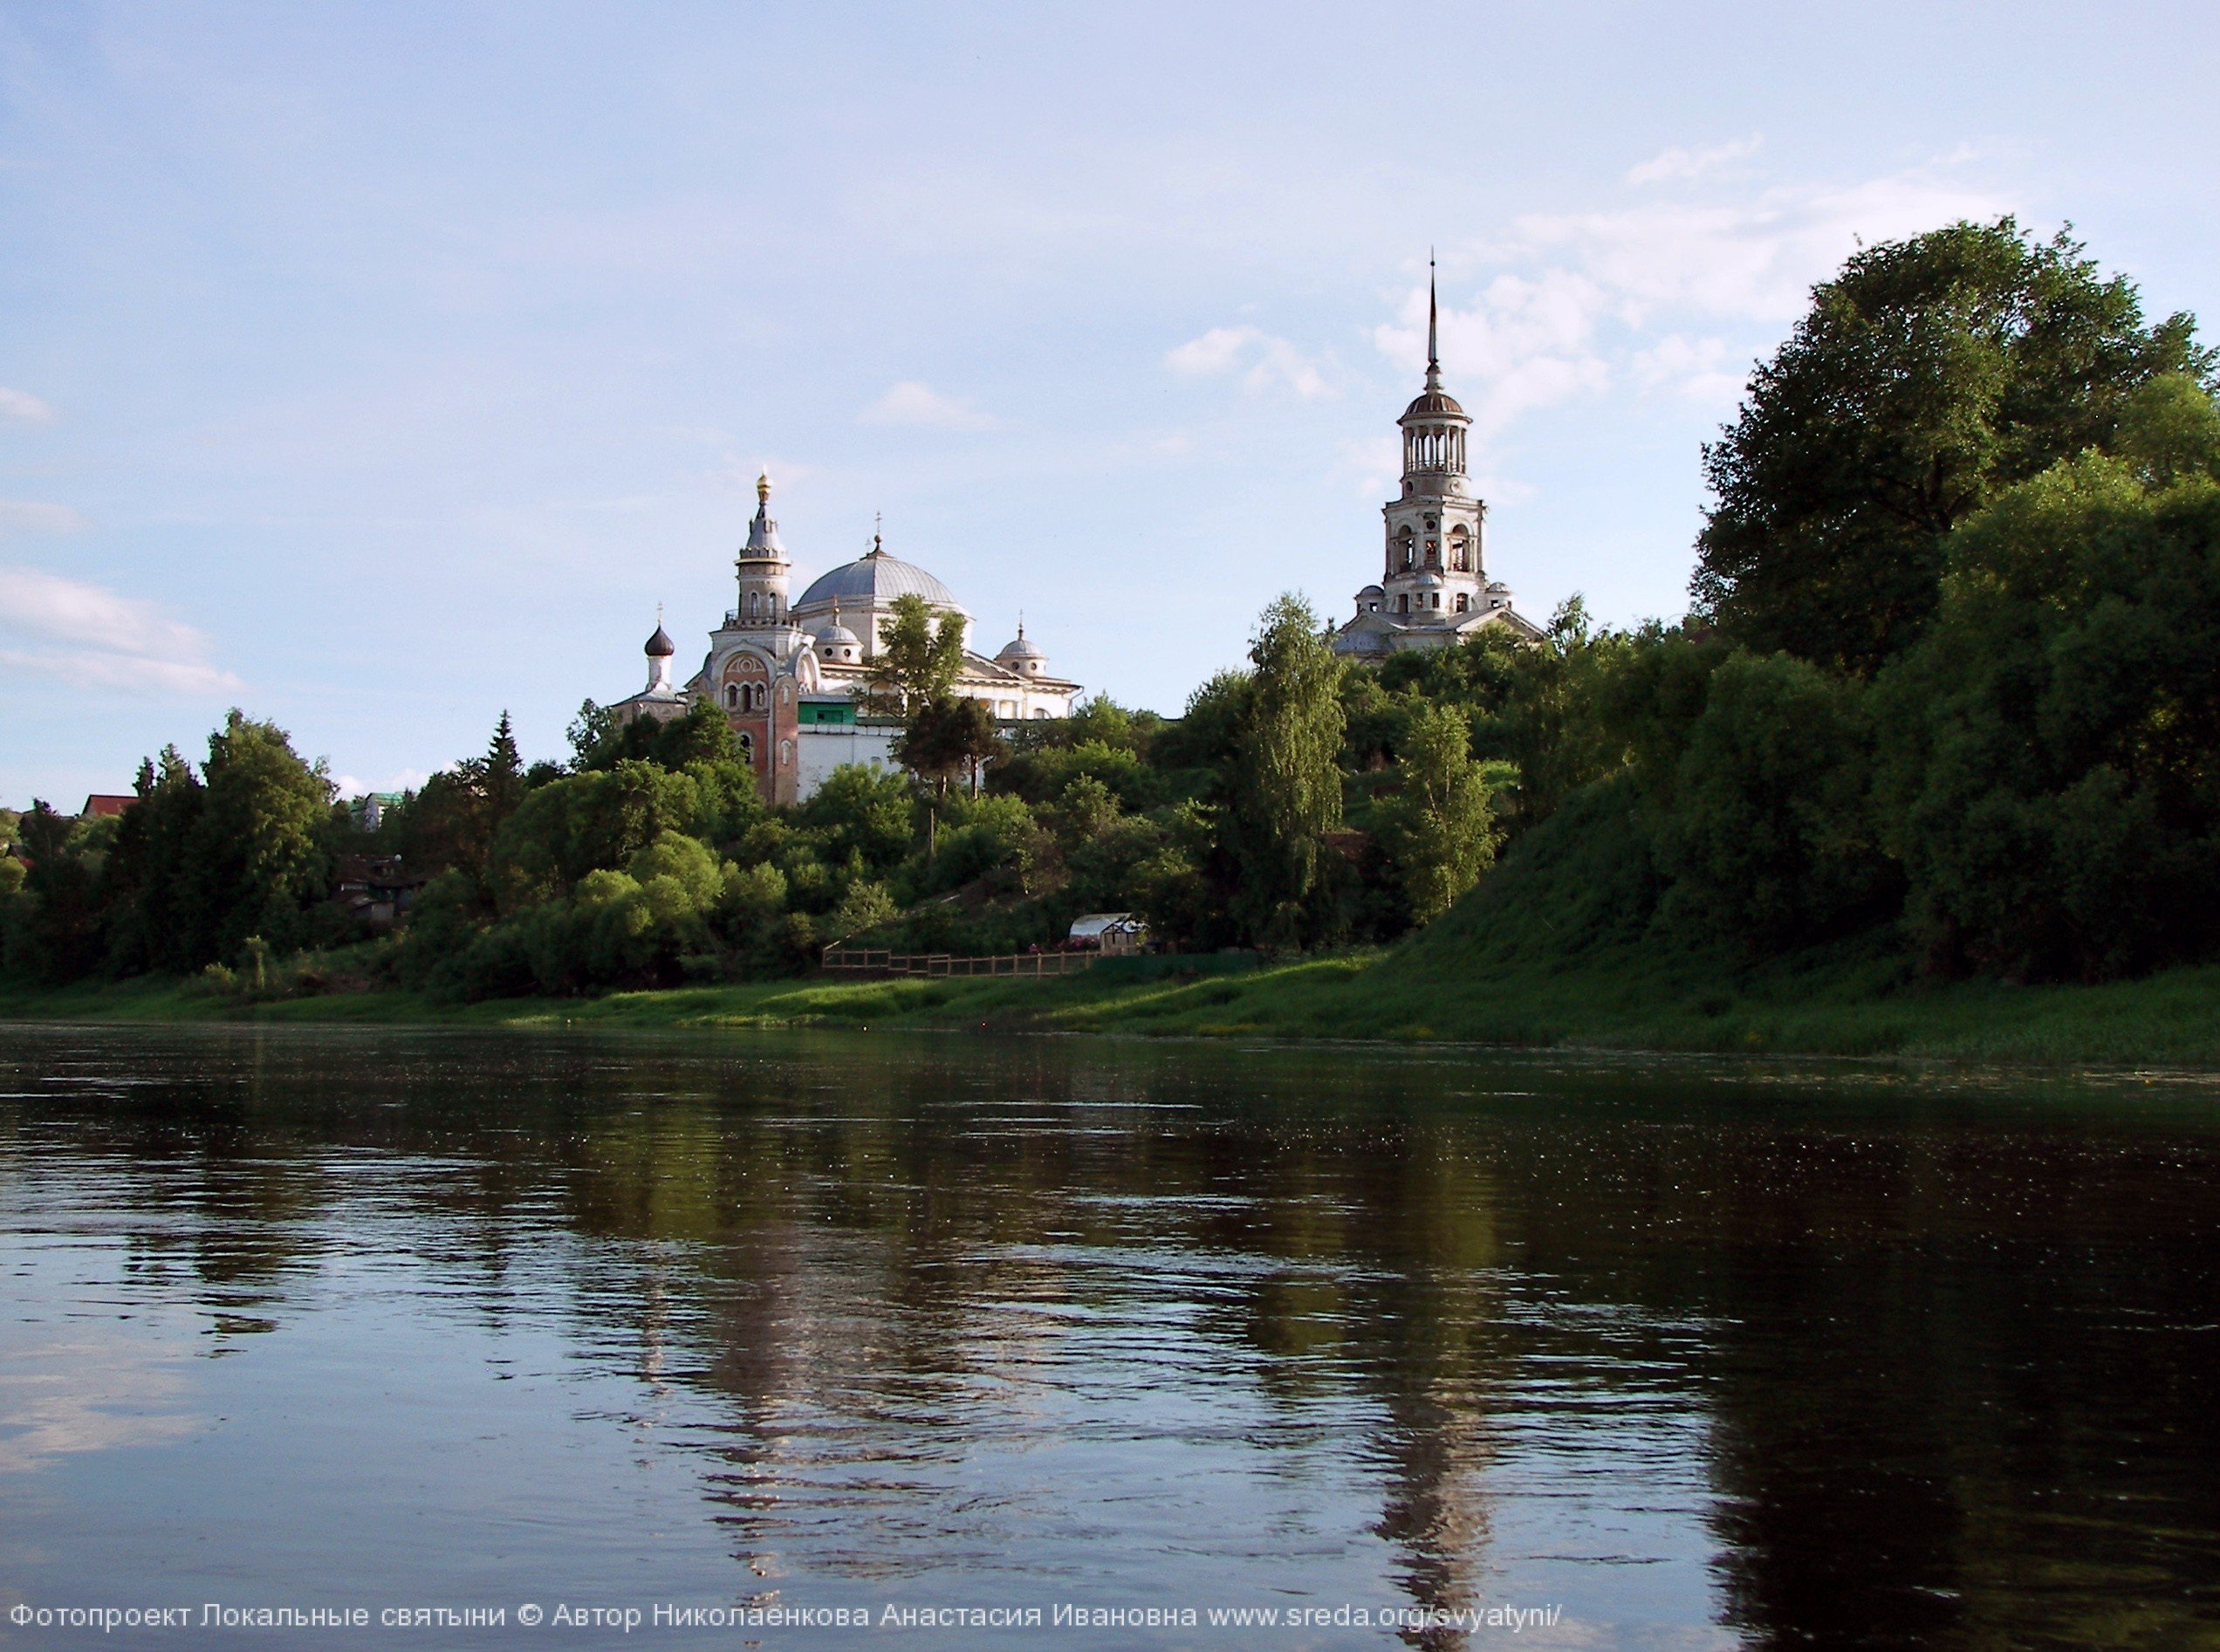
x=872 y=582
x=660 y=647
x=1432 y=404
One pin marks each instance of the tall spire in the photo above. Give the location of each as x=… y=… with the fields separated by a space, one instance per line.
x=1433 y=329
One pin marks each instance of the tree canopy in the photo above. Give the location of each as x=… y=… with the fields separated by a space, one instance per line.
x=1927 y=376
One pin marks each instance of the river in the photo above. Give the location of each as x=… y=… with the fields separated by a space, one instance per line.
x=885 y=1340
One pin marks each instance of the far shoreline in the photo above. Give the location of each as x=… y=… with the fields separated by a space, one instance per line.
x=2168 y=1021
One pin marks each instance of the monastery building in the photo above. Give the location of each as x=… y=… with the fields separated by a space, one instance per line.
x=788 y=674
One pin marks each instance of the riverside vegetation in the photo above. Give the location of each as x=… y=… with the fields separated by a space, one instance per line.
x=1930 y=764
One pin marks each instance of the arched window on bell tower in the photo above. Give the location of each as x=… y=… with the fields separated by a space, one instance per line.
x=1406 y=547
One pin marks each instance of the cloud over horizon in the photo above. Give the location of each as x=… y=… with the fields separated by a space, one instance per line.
x=74 y=632
x=920 y=407
x=1264 y=361
x=22 y=407
x=36 y=516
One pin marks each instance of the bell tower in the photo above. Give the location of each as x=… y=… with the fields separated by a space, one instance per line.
x=763 y=571
x=1433 y=574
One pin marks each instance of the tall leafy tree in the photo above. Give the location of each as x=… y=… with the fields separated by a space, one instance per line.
x=1930 y=375
x=944 y=736
x=1440 y=827
x=917 y=659
x=258 y=852
x=1287 y=790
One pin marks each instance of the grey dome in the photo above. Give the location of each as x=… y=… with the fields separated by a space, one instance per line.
x=836 y=634
x=1023 y=648
x=873 y=582
x=660 y=647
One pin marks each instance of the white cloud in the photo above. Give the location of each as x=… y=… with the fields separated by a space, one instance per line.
x=76 y=632
x=1697 y=368
x=1691 y=163
x=22 y=407
x=348 y=785
x=1529 y=341
x=32 y=516
x=1666 y=295
x=1270 y=362
x=924 y=407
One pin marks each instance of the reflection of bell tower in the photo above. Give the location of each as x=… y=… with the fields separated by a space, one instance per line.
x=764 y=570
x=1433 y=574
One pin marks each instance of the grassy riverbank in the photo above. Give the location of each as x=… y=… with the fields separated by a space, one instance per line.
x=1845 y=1005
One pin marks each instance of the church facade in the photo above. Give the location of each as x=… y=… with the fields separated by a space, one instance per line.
x=789 y=674
x=1434 y=590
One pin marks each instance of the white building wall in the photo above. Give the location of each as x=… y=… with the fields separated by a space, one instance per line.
x=821 y=749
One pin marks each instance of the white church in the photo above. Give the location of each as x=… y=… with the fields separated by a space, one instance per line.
x=788 y=675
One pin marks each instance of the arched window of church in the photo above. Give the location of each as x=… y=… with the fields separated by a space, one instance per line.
x=1463 y=602
x=731 y=697
x=755 y=606
x=1406 y=542
x=747 y=749
x=1403 y=603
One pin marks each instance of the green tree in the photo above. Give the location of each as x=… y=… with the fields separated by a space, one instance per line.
x=1287 y=790
x=456 y=819
x=917 y=661
x=53 y=930
x=153 y=922
x=259 y=856
x=1440 y=829
x=1929 y=375
x=862 y=815
x=2051 y=766
x=595 y=821
x=943 y=737
x=1766 y=830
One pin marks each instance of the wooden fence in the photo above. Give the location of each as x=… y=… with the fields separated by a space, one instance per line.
x=1025 y=965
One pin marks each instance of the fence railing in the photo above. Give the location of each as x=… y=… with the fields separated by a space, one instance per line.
x=1025 y=965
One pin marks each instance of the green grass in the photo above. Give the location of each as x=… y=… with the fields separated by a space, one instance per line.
x=1843 y=1003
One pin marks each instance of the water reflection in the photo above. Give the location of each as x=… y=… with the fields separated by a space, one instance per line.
x=1857 y=1357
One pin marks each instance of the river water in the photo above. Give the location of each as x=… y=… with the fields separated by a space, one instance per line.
x=1441 y=1349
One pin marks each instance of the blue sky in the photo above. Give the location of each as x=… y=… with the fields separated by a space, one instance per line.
x=377 y=368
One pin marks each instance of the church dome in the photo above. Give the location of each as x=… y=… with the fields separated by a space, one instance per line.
x=873 y=582
x=1022 y=648
x=660 y=647
x=836 y=635
x=1432 y=404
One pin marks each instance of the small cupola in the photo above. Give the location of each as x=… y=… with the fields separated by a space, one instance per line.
x=837 y=644
x=1027 y=659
